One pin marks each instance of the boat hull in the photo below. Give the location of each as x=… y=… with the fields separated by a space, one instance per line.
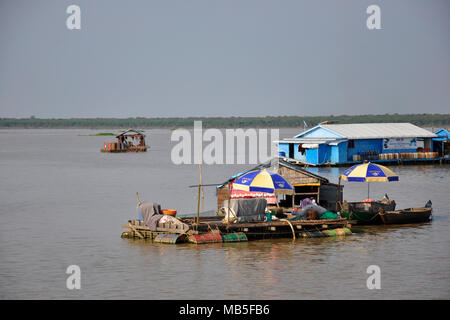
x=362 y=218
x=412 y=215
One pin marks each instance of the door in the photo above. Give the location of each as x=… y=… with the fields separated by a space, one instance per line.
x=291 y=150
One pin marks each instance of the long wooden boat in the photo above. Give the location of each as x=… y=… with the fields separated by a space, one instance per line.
x=366 y=213
x=410 y=215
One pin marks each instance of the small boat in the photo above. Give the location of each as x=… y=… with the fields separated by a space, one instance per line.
x=410 y=215
x=366 y=213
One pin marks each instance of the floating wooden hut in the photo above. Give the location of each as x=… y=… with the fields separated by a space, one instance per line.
x=254 y=223
x=128 y=141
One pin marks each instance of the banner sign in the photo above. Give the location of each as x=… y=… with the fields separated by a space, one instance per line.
x=402 y=143
x=240 y=194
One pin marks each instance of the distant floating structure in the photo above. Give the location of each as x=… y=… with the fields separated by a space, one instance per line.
x=128 y=141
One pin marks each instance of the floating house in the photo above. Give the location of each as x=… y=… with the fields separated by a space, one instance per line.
x=441 y=144
x=305 y=183
x=128 y=141
x=340 y=144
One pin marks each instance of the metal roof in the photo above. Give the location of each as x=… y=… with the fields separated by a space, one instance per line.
x=130 y=131
x=379 y=130
x=443 y=135
x=311 y=140
x=273 y=162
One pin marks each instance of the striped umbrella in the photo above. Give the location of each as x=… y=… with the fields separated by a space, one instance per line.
x=368 y=172
x=263 y=181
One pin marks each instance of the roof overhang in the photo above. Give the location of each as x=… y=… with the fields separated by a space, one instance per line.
x=312 y=140
x=333 y=134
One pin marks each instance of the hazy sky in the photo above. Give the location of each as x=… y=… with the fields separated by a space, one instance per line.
x=222 y=58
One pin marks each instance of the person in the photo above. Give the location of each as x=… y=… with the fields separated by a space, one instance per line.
x=385 y=198
x=121 y=142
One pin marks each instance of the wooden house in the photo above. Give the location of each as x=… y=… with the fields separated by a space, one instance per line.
x=305 y=183
x=128 y=141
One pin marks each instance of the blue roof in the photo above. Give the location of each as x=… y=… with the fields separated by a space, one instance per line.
x=442 y=132
x=443 y=135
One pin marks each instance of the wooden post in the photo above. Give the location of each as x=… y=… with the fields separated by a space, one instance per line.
x=139 y=199
x=200 y=186
x=228 y=205
x=318 y=194
x=198 y=206
x=293 y=199
x=201 y=183
x=338 y=193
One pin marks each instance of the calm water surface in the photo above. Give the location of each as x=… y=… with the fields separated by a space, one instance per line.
x=63 y=202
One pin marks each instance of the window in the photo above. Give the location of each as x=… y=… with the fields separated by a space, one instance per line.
x=301 y=149
x=351 y=144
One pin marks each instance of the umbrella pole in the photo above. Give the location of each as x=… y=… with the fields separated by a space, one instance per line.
x=338 y=193
x=201 y=182
x=368 y=190
x=200 y=186
x=229 y=200
x=198 y=205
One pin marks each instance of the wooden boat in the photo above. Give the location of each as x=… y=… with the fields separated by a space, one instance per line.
x=366 y=212
x=410 y=215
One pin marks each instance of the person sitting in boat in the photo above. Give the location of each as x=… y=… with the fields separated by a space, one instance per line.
x=385 y=198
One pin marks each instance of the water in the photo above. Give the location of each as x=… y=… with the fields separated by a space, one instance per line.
x=63 y=202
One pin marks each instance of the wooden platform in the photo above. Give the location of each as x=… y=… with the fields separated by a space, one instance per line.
x=273 y=229
x=128 y=149
x=253 y=231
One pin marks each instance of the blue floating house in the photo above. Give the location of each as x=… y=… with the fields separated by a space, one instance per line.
x=441 y=143
x=335 y=144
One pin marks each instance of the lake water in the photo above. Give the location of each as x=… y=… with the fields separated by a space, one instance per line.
x=63 y=203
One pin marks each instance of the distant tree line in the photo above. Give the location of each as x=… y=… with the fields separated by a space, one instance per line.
x=422 y=120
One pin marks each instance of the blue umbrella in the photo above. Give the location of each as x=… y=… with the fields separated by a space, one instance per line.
x=263 y=181
x=367 y=172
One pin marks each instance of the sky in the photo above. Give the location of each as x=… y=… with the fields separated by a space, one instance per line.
x=177 y=58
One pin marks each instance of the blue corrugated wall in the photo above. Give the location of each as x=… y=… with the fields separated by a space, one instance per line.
x=319 y=155
x=312 y=155
x=298 y=155
x=339 y=153
x=324 y=153
x=364 y=145
x=284 y=147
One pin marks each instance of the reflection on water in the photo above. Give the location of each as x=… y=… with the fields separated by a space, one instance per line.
x=63 y=202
